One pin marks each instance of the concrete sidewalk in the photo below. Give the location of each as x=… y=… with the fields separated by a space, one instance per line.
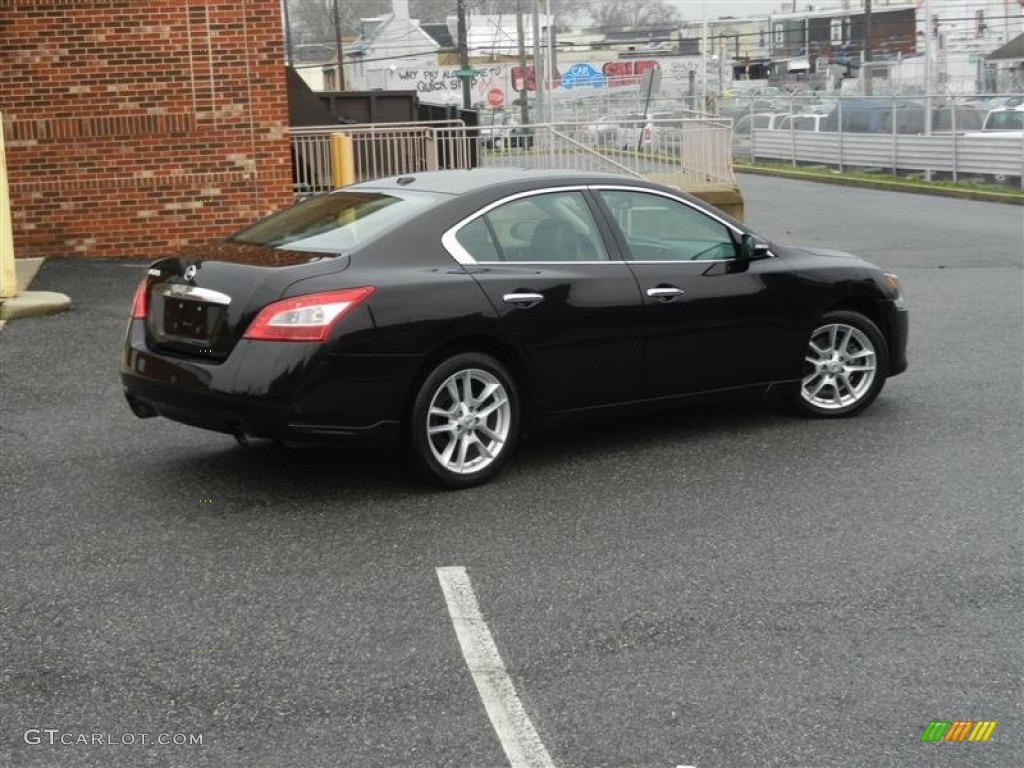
x=31 y=303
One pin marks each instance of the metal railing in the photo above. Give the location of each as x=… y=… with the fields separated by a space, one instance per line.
x=379 y=150
x=695 y=151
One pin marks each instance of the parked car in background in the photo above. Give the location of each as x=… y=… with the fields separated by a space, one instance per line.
x=742 y=138
x=906 y=117
x=759 y=121
x=1005 y=119
x=639 y=132
x=450 y=311
x=809 y=122
x=509 y=135
x=601 y=132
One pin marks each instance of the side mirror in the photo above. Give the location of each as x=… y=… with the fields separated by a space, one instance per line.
x=751 y=248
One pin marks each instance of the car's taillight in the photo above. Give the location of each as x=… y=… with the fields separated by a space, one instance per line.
x=305 y=318
x=140 y=304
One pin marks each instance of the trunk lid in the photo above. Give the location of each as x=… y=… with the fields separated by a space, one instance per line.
x=201 y=301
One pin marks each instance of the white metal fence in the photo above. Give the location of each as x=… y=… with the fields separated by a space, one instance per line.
x=962 y=158
x=892 y=134
x=697 y=150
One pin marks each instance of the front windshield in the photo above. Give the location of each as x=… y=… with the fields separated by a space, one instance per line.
x=337 y=222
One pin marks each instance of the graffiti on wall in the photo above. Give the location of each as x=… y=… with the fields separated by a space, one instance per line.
x=499 y=83
x=426 y=81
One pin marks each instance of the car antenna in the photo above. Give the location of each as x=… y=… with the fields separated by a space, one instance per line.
x=406 y=180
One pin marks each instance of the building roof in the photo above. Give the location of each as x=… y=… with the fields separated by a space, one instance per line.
x=1012 y=51
x=440 y=32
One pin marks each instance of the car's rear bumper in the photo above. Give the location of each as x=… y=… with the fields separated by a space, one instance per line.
x=285 y=391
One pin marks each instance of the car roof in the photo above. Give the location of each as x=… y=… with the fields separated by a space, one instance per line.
x=458 y=182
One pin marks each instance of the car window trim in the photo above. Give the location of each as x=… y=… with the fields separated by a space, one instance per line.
x=615 y=254
x=455 y=249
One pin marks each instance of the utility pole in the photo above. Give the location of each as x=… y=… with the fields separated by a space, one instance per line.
x=538 y=68
x=524 y=111
x=467 y=97
x=865 y=70
x=549 y=61
x=928 y=53
x=341 y=55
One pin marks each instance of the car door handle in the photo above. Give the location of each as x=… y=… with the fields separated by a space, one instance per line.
x=665 y=292
x=523 y=300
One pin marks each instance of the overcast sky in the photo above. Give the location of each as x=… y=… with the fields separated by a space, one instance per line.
x=691 y=9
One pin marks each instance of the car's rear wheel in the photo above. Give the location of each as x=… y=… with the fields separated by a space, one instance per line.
x=845 y=366
x=464 y=421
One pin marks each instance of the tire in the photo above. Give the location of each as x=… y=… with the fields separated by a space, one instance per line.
x=846 y=362
x=464 y=422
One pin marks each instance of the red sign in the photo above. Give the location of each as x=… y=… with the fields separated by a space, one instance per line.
x=495 y=97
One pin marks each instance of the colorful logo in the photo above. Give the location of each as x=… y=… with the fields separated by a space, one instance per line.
x=958 y=730
x=580 y=75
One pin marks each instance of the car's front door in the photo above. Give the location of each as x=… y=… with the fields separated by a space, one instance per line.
x=542 y=260
x=711 y=320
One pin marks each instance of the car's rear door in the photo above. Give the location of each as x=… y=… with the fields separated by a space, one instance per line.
x=544 y=261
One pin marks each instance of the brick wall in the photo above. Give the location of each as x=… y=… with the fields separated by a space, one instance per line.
x=134 y=127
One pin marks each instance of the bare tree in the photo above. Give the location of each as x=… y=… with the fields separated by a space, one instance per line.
x=439 y=10
x=615 y=14
x=312 y=21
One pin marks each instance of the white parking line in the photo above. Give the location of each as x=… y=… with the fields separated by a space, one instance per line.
x=516 y=733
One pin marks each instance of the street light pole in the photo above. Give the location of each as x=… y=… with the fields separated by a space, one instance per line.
x=538 y=69
x=927 y=68
x=704 y=57
x=467 y=96
x=341 y=55
x=524 y=110
x=549 y=62
x=866 y=71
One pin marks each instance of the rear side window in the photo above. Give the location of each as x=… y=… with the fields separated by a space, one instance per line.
x=338 y=222
x=552 y=227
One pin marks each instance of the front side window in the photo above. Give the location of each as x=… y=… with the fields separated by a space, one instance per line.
x=553 y=227
x=658 y=228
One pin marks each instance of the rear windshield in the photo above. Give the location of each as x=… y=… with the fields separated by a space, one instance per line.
x=338 y=222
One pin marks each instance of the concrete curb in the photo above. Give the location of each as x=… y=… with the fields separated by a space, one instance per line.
x=31 y=303
x=889 y=186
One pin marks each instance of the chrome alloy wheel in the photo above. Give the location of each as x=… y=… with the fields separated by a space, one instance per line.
x=468 y=421
x=844 y=364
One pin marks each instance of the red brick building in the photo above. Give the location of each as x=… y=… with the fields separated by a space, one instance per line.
x=134 y=128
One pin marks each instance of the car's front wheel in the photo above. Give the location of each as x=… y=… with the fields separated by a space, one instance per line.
x=464 y=421
x=845 y=366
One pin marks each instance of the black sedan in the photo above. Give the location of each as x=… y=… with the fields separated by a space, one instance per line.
x=451 y=311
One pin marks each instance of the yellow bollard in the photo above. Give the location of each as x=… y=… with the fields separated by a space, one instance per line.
x=8 y=276
x=343 y=167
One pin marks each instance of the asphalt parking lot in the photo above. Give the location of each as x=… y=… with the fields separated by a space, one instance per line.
x=730 y=586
